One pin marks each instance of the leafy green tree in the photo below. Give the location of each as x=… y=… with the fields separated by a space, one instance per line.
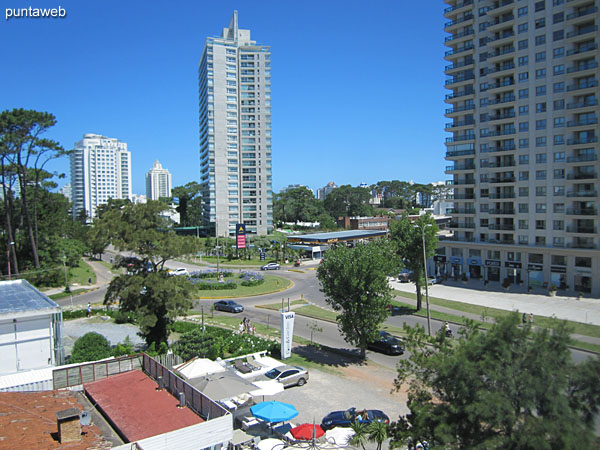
x=326 y=222
x=510 y=387
x=90 y=347
x=296 y=205
x=407 y=241
x=354 y=281
x=189 y=202
x=378 y=433
x=156 y=298
x=96 y=241
x=348 y=201
x=361 y=434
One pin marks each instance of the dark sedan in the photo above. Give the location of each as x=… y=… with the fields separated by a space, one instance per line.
x=348 y=417
x=387 y=343
x=228 y=306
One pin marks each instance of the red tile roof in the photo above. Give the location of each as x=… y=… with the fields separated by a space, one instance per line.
x=134 y=406
x=28 y=421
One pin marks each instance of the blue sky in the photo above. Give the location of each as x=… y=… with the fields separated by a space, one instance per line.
x=357 y=87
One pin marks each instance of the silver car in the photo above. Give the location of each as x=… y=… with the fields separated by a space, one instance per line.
x=288 y=375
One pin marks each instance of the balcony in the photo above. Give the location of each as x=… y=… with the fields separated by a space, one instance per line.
x=500 y=52
x=585 y=85
x=582 y=158
x=584 y=104
x=582 y=140
x=465 y=182
x=581 y=67
x=583 y=245
x=499 y=21
x=582 y=31
x=583 y=194
x=460 y=123
x=582 y=13
x=582 y=49
x=466 y=225
x=454 y=66
x=458 y=50
x=467 y=17
x=505 y=99
x=505 y=179
x=582 y=176
x=582 y=230
x=500 y=7
x=502 y=195
x=462 y=197
x=501 y=227
x=582 y=123
x=457 y=80
x=501 y=211
x=582 y=212
x=458 y=6
x=456 y=36
x=455 y=153
x=460 y=94
x=456 y=167
x=499 y=148
x=460 y=109
x=460 y=211
x=504 y=116
x=496 y=165
x=499 y=84
x=465 y=137
x=496 y=133
x=500 y=38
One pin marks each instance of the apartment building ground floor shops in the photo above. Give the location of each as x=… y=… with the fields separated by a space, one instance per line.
x=571 y=271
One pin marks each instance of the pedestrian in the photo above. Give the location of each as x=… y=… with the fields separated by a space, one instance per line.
x=89 y=309
x=524 y=318
x=241 y=328
x=90 y=280
x=530 y=318
x=248 y=327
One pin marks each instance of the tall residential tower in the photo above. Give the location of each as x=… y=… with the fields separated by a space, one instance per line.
x=523 y=110
x=235 y=132
x=158 y=182
x=100 y=169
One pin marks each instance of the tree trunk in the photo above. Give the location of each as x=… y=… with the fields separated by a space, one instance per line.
x=419 y=295
x=27 y=214
x=9 y=229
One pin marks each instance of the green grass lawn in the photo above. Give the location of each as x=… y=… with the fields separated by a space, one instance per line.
x=272 y=284
x=277 y=306
x=316 y=312
x=81 y=274
x=110 y=267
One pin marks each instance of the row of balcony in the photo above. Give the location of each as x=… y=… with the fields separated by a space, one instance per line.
x=569 y=212
x=466 y=17
x=458 y=6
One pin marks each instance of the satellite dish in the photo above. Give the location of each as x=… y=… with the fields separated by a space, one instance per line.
x=85 y=418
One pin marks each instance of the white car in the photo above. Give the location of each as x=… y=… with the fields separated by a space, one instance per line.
x=180 y=271
x=271 y=266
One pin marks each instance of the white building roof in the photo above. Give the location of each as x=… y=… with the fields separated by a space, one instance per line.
x=18 y=297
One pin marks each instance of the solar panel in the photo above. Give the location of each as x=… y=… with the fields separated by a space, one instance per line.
x=20 y=296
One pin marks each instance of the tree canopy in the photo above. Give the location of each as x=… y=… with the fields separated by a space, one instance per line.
x=511 y=387
x=296 y=205
x=155 y=297
x=354 y=281
x=189 y=203
x=348 y=201
x=90 y=347
x=407 y=241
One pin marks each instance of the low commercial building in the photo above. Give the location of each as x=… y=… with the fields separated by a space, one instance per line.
x=315 y=244
x=30 y=329
x=364 y=223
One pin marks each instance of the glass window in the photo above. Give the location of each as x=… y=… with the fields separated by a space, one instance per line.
x=522 y=11
x=523 y=176
x=523 y=61
x=558 y=207
x=540 y=124
x=540 y=40
x=540 y=107
x=524 y=143
x=559 y=87
x=540 y=174
x=558 y=69
x=559 y=52
x=540 y=90
x=523 y=76
x=540 y=191
x=523 y=28
x=523 y=93
x=540 y=6
x=558 y=105
x=559 y=122
x=523 y=208
x=559 y=156
x=540 y=73
x=559 y=191
x=559 y=139
x=540 y=56
x=523 y=192
x=558 y=35
x=540 y=141
x=523 y=159
x=523 y=110
x=523 y=44
x=540 y=158
x=540 y=23
x=524 y=126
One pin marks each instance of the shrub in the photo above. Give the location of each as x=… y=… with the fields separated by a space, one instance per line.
x=213 y=285
x=251 y=279
x=210 y=274
x=90 y=347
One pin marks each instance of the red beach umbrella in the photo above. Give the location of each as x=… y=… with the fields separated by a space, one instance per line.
x=306 y=430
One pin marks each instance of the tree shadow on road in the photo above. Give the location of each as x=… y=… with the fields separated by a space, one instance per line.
x=402 y=311
x=328 y=356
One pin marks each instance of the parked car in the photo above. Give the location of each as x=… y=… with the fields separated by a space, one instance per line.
x=228 y=306
x=288 y=375
x=178 y=272
x=271 y=266
x=433 y=280
x=387 y=343
x=405 y=276
x=348 y=417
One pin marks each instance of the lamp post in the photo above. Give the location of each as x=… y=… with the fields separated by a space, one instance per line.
x=426 y=279
x=8 y=256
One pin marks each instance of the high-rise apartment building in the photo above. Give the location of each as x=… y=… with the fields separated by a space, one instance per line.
x=235 y=132
x=523 y=110
x=100 y=169
x=158 y=182
x=326 y=190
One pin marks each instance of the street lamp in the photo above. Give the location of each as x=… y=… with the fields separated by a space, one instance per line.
x=426 y=279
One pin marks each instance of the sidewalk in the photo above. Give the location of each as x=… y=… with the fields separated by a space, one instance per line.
x=567 y=308
x=103 y=277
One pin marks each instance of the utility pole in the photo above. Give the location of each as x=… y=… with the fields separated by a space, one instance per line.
x=8 y=257
x=426 y=279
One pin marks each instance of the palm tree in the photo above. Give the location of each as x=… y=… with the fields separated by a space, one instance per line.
x=377 y=432
x=361 y=434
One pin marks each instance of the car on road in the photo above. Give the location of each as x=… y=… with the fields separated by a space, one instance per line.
x=178 y=272
x=271 y=266
x=405 y=276
x=387 y=343
x=433 y=280
x=228 y=306
x=348 y=417
x=287 y=375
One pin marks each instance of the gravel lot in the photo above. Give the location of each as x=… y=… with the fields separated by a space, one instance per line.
x=115 y=333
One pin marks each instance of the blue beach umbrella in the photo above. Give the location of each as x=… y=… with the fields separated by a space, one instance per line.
x=274 y=411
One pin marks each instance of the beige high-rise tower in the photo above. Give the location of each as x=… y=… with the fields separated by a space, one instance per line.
x=523 y=110
x=235 y=132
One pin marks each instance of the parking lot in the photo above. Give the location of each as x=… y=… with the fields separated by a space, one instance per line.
x=362 y=386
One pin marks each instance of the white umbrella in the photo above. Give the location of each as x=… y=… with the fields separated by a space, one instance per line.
x=268 y=387
x=339 y=436
x=271 y=444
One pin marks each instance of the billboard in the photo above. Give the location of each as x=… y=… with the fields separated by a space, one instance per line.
x=287 y=333
x=240 y=235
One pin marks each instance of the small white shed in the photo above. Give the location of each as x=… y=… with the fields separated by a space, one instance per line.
x=30 y=328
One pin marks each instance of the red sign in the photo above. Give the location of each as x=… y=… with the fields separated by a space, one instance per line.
x=241 y=241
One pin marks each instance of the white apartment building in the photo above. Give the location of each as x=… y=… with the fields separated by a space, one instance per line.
x=523 y=111
x=326 y=190
x=235 y=132
x=100 y=169
x=158 y=182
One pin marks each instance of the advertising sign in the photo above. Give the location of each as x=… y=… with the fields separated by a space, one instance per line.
x=287 y=333
x=240 y=234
